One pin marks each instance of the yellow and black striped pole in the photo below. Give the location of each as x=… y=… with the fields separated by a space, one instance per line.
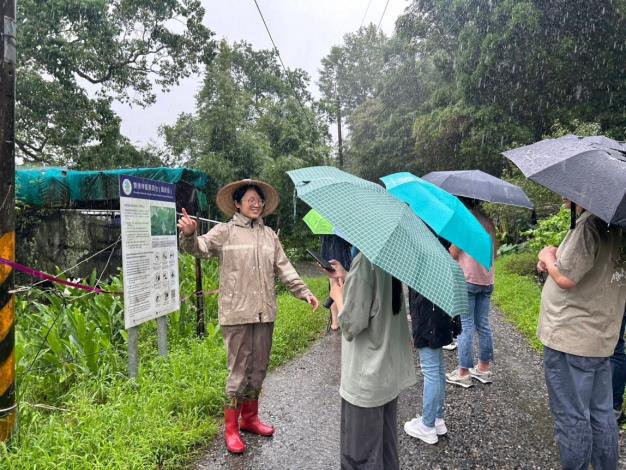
x=8 y=410
x=7 y=340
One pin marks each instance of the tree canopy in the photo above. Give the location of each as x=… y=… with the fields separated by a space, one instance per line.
x=252 y=120
x=77 y=56
x=462 y=81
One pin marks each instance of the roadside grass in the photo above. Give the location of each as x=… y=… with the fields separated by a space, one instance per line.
x=161 y=419
x=517 y=297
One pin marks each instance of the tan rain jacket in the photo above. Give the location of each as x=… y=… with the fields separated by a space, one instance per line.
x=250 y=257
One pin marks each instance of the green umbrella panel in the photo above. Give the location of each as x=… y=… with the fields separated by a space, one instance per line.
x=318 y=224
x=386 y=231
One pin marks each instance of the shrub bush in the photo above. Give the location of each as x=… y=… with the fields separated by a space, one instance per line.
x=550 y=231
x=522 y=264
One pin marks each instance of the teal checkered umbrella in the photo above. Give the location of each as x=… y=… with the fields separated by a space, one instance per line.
x=386 y=231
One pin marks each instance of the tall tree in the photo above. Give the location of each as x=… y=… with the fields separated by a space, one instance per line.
x=77 y=56
x=381 y=139
x=252 y=120
x=481 y=76
x=517 y=67
x=350 y=72
x=349 y=76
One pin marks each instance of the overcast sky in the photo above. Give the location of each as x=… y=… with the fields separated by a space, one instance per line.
x=304 y=31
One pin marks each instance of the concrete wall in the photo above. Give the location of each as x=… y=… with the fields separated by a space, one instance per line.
x=51 y=239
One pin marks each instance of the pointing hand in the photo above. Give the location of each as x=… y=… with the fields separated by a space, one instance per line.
x=186 y=224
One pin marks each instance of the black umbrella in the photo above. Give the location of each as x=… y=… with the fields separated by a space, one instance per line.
x=477 y=184
x=589 y=171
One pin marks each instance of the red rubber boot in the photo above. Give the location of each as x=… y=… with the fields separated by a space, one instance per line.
x=234 y=443
x=250 y=419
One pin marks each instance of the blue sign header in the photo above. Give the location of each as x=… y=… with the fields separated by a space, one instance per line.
x=141 y=188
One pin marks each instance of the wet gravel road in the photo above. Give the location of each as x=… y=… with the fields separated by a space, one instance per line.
x=503 y=425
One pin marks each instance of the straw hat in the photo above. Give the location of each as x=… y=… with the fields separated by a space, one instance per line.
x=226 y=203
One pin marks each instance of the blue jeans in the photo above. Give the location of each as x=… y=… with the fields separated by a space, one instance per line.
x=477 y=319
x=434 y=394
x=579 y=389
x=618 y=369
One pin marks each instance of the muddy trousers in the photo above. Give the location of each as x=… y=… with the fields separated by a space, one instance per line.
x=369 y=438
x=248 y=347
x=579 y=389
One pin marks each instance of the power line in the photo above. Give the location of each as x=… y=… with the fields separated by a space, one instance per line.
x=383 y=15
x=293 y=88
x=365 y=14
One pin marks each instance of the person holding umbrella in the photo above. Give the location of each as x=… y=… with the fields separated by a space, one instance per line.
x=473 y=186
x=376 y=362
x=582 y=303
x=452 y=223
x=376 y=359
x=250 y=257
x=479 y=289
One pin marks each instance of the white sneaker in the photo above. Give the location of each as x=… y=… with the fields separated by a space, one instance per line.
x=415 y=428
x=484 y=377
x=440 y=427
x=455 y=378
x=451 y=346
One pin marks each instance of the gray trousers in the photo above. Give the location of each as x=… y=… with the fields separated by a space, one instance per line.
x=581 y=401
x=248 y=347
x=369 y=438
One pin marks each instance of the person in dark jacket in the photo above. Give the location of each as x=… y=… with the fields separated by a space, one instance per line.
x=432 y=329
x=335 y=247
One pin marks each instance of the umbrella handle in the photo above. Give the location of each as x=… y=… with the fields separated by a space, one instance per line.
x=572 y=216
x=328 y=302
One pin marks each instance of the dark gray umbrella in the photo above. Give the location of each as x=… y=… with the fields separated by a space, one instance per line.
x=477 y=184
x=589 y=171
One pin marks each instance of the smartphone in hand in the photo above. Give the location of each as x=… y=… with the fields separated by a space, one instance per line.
x=321 y=261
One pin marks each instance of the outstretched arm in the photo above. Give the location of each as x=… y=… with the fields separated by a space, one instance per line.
x=290 y=277
x=204 y=246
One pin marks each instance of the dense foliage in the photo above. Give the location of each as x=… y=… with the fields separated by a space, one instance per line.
x=78 y=409
x=65 y=334
x=76 y=57
x=462 y=81
x=252 y=120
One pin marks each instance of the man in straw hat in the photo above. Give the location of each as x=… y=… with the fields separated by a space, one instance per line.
x=250 y=256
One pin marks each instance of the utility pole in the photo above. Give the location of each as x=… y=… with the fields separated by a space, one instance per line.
x=339 y=139
x=8 y=406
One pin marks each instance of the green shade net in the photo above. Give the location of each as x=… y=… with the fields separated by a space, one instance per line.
x=59 y=188
x=42 y=187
